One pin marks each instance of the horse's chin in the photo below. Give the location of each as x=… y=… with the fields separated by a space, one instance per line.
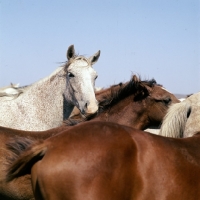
x=88 y=115
x=91 y=113
x=86 y=112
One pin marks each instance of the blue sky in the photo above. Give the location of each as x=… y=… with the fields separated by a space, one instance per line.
x=157 y=39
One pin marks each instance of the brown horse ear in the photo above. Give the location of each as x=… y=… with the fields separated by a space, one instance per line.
x=142 y=89
x=93 y=59
x=136 y=79
x=70 y=52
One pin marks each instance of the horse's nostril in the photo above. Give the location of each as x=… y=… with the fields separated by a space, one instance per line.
x=83 y=112
x=86 y=105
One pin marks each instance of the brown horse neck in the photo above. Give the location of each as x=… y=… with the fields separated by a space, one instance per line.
x=126 y=112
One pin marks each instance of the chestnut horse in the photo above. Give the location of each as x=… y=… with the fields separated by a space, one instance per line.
x=182 y=119
x=19 y=189
x=104 y=160
x=145 y=102
x=135 y=103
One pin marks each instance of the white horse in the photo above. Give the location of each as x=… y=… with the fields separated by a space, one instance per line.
x=46 y=103
x=182 y=119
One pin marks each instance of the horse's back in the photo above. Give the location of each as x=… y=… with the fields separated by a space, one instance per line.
x=118 y=162
x=168 y=168
x=30 y=105
x=87 y=165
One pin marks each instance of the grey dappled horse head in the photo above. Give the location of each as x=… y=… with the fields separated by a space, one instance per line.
x=45 y=104
x=81 y=82
x=182 y=119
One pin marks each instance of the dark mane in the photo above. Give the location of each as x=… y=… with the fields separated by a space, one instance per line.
x=134 y=87
x=18 y=145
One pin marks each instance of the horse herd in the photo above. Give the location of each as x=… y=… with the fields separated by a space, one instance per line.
x=63 y=139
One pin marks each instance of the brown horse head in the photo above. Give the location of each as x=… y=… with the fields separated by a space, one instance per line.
x=136 y=103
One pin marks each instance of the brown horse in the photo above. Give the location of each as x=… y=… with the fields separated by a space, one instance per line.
x=103 y=160
x=145 y=102
x=136 y=103
x=19 y=189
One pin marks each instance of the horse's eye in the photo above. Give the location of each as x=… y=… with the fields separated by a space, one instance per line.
x=167 y=100
x=70 y=75
x=96 y=77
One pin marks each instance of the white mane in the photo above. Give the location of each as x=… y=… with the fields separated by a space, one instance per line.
x=182 y=119
x=174 y=122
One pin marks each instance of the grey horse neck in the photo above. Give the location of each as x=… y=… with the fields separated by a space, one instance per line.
x=47 y=94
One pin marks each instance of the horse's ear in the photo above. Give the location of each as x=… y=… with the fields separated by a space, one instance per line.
x=70 y=52
x=136 y=79
x=93 y=59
